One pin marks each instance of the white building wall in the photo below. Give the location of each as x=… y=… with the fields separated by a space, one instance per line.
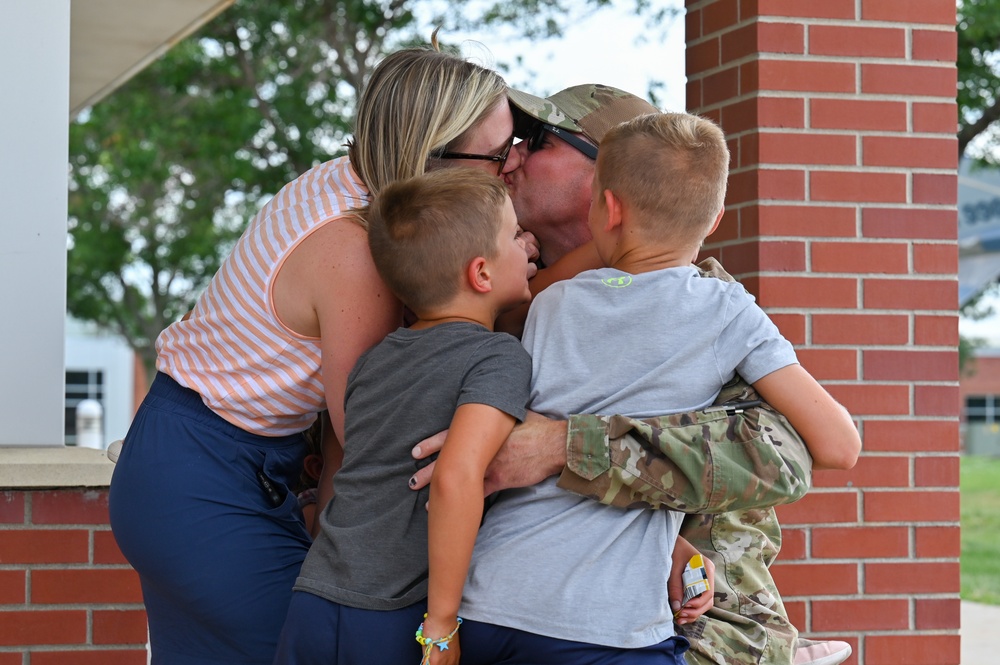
x=34 y=103
x=87 y=350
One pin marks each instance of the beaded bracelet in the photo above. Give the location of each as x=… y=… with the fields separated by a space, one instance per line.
x=428 y=644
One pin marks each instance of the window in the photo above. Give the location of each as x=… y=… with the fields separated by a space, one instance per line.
x=982 y=409
x=80 y=385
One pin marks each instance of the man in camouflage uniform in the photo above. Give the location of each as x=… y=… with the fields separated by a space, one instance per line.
x=726 y=469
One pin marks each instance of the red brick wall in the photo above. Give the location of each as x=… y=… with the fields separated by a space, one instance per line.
x=841 y=218
x=66 y=593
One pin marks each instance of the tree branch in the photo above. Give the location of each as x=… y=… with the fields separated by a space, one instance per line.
x=969 y=132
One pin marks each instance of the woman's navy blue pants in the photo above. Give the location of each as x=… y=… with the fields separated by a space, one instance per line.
x=217 y=554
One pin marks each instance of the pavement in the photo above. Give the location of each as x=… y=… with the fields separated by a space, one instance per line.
x=980 y=634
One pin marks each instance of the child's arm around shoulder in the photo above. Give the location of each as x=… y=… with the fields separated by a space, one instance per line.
x=824 y=425
x=456 y=508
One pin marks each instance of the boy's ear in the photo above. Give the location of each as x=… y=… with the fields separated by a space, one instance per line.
x=478 y=275
x=614 y=206
x=313 y=466
x=715 y=224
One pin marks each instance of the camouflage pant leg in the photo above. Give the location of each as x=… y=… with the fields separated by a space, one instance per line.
x=722 y=638
x=748 y=624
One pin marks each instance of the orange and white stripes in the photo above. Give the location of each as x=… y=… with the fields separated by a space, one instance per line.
x=248 y=367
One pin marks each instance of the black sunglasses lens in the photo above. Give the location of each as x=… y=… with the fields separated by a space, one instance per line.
x=535 y=138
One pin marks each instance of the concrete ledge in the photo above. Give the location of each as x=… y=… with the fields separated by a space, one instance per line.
x=52 y=467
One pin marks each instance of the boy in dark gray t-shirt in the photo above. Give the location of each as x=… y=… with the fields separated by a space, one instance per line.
x=447 y=244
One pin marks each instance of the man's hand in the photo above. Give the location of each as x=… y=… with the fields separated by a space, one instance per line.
x=535 y=450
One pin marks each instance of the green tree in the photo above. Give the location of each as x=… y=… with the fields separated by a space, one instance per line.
x=978 y=79
x=165 y=172
x=978 y=28
x=973 y=310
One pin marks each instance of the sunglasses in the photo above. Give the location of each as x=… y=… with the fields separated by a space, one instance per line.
x=536 y=136
x=500 y=159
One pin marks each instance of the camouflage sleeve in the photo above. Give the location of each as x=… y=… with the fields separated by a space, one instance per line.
x=699 y=462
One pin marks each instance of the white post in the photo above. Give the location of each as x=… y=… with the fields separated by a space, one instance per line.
x=89 y=424
x=34 y=122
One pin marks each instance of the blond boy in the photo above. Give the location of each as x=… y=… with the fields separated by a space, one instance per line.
x=643 y=336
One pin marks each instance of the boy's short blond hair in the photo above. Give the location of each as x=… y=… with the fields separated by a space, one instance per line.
x=669 y=170
x=424 y=231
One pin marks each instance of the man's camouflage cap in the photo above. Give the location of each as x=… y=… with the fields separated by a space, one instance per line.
x=590 y=109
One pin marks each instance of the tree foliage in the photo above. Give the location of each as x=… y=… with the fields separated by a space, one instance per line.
x=978 y=79
x=164 y=173
x=978 y=29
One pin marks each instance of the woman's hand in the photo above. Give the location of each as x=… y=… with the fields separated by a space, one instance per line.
x=694 y=608
x=531 y=247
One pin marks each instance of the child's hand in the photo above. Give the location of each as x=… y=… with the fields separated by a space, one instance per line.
x=694 y=608
x=449 y=656
x=438 y=656
x=701 y=603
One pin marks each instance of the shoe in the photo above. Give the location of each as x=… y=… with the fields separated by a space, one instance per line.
x=832 y=652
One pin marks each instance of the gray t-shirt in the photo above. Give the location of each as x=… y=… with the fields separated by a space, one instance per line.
x=606 y=342
x=371 y=552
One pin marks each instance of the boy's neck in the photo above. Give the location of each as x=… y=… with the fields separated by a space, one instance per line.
x=635 y=252
x=465 y=307
x=430 y=321
x=471 y=305
x=649 y=258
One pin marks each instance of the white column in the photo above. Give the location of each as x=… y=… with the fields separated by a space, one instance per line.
x=34 y=121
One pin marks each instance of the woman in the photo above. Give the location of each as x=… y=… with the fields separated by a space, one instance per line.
x=199 y=502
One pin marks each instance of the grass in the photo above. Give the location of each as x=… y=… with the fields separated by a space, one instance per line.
x=980 y=486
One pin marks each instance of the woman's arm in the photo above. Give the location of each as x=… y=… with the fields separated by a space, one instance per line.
x=332 y=275
x=456 y=509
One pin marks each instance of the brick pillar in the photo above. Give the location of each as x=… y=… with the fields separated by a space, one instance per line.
x=841 y=218
x=67 y=595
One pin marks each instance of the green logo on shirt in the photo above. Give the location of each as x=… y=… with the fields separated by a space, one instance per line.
x=617 y=282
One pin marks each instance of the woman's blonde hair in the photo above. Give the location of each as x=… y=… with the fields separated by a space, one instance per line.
x=419 y=101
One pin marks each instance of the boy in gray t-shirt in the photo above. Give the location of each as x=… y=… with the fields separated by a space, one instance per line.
x=643 y=336
x=447 y=244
